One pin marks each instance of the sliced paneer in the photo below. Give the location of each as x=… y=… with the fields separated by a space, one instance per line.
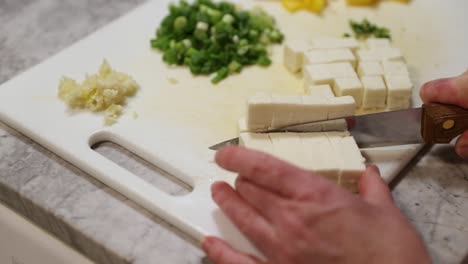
x=349 y=86
x=329 y=56
x=351 y=162
x=293 y=55
x=260 y=111
x=335 y=125
x=340 y=107
x=374 y=43
x=375 y=92
x=379 y=54
x=334 y=43
x=288 y=147
x=286 y=109
x=399 y=89
x=395 y=68
x=256 y=141
x=323 y=90
x=319 y=155
x=317 y=74
x=313 y=109
x=370 y=68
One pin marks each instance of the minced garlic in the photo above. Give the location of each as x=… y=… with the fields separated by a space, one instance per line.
x=105 y=91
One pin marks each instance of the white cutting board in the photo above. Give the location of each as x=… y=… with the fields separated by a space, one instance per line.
x=177 y=122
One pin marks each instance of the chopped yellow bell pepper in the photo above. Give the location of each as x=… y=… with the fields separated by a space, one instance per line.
x=361 y=2
x=315 y=6
x=293 y=5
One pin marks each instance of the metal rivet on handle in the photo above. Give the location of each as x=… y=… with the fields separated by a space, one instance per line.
x=448 y=124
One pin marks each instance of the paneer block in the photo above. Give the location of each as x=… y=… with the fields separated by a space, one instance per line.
x=319 y=156
x=324 y=91
x=329 y=56
x=256 y=141
x=398 y=103
x=317 y=74
x=349 y=86
x=340 y=107
x=370 y=68
x=293 y=55
x=260 y=110
x=395 y=68
x=279 y=111
x=288 y=147
x=334 y=43
x=373 y=43
x=379 y=54
x=399 y=89
x=375 y=92
x=335 y=125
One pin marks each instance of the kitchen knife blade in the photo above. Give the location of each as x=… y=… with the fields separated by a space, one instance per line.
x=373 y=130
x=431 y=123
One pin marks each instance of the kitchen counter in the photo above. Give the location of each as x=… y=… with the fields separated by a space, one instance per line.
x=107 y=227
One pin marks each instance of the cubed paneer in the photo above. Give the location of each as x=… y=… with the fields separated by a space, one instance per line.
x=349 y=86
x=335 y=125
x=288 y=147
x=379 y=54
x=340 y=107
x=375 y=92
x=395 y=68
x=370 y=68
x=374 y=43
x=285 y=109
x=256 y=141
x=293 y=55
x=324 y=91
x=317 y=74
x=319 y=156
x=329 y=56
x=399 y=90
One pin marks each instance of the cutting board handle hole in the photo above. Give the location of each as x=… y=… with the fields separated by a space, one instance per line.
x=145 y=170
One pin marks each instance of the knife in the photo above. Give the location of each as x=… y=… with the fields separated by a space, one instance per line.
x=432 y=123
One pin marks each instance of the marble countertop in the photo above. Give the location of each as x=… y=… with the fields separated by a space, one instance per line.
x=107 y=227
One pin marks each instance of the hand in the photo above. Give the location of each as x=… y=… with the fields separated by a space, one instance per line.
x=450 y=91
x=298 y=217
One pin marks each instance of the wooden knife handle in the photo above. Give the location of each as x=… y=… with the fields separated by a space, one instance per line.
x=441 y=123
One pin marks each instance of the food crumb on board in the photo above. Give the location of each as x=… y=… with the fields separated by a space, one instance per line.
x=172 y=80
x=105 y=91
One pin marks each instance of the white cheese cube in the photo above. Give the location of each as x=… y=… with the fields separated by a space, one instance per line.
x=370 y=68
x=349 y=86
x=373 y=43
x=329 y=56
x=260 y=110
x=324 y=91
x=256 y=141
x=398 y=86
x=286 y=109
x=288 y=147
x=379 y=54
x=375 y=92
x=395 y=68
x=319 y=156
x=293 y=55
x=313 y=109
x=317 y=74
x=399 y=103
x=334 y=43
x=340 y=107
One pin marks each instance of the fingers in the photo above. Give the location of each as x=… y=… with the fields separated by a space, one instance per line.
x=265 y=202
x=243 y=215
x=267 y=171
x=449 y=91
x=373 y=189
x=221 y=253
x=462 y=146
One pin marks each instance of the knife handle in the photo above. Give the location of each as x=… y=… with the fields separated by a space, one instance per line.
x=441 y=123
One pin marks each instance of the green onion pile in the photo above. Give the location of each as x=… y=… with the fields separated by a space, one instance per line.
x=366 y=29
x=216 y=37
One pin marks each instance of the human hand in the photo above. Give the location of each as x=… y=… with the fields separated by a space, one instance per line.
x=450 y=91
x=295 y=216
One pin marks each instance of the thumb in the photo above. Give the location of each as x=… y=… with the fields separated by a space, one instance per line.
x=462 y=145
x=373 y=189
x=450 y=91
